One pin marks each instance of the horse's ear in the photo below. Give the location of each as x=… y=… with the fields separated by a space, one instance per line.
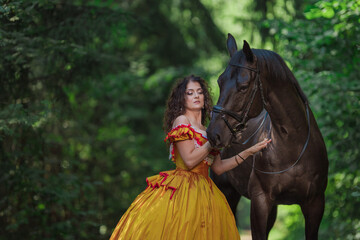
x=248 y=53
x=231 y=45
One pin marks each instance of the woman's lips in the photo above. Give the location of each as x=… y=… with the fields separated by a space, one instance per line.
x=197 y=102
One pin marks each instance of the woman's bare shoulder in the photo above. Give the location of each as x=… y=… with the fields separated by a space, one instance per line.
x=182 y=119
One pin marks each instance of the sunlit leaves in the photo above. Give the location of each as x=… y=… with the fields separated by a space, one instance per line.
x=321 y=9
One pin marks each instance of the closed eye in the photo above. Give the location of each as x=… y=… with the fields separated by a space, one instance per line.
x=242 y=87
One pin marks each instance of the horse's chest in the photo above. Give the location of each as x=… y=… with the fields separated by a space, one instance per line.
x=282 y=188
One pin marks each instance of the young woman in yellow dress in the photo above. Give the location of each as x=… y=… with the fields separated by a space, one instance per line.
x=185 y=203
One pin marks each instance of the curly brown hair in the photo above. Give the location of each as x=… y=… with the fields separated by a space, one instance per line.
x=175 y=105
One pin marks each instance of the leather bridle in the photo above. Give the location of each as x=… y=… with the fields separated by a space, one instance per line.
x=243 y=117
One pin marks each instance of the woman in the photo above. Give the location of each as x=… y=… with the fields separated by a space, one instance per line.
x=185 y=203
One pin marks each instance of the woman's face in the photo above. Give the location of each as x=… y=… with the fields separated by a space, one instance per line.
x=194 y=96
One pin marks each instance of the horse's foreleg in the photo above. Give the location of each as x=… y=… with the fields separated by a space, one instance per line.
x=271 y=220
x=313 y=212
x=232 y=196
x=260 y=211
x=233 y=200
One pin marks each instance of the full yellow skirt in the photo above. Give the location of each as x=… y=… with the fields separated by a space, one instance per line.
x=178 y=204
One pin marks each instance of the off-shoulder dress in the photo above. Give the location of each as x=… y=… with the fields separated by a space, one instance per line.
x=181 y=203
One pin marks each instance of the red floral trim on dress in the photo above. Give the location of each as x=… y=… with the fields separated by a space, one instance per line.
x=171 y=136
x=185 y=132
x=198 y=139
x=157 y=185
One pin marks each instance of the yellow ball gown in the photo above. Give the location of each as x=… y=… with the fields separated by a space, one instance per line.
x=179 y=204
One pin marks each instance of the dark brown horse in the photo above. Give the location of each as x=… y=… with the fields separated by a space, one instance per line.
x=260 y=97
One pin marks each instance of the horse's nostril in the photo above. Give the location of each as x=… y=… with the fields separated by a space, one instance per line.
x=217 y=140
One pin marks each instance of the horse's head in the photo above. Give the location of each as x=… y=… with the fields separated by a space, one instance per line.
x=241 y=95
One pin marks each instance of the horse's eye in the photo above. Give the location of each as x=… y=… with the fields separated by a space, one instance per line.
x=243 y=87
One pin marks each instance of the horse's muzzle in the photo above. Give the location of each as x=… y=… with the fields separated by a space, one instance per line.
x=214 y=139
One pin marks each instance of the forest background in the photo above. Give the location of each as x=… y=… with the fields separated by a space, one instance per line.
x=83 y=86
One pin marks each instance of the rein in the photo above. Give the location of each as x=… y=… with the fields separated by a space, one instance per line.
x=241 y=119
x=301 y=153
x=252 y=135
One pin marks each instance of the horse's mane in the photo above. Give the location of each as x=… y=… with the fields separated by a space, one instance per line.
x=277 y=68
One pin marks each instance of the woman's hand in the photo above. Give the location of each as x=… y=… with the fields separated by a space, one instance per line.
x=207 y=145
x=257 y=147
x=220 y=166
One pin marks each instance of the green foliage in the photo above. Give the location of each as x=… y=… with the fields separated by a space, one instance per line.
x=83 y=85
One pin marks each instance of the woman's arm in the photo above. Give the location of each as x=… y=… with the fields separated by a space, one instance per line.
x=192 y=156
x=220 y=166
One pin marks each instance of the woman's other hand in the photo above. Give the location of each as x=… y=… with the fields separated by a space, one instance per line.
x=257 y=147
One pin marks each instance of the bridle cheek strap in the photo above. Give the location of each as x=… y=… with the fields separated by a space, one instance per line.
x=241 y=119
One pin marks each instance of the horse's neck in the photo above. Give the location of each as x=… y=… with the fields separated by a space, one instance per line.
x=287 y=112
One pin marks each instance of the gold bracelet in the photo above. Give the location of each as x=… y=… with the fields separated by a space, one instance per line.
x=241 y=157
x=237 y=160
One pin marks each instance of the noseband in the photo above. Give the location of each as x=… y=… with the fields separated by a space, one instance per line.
x=241 y=118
